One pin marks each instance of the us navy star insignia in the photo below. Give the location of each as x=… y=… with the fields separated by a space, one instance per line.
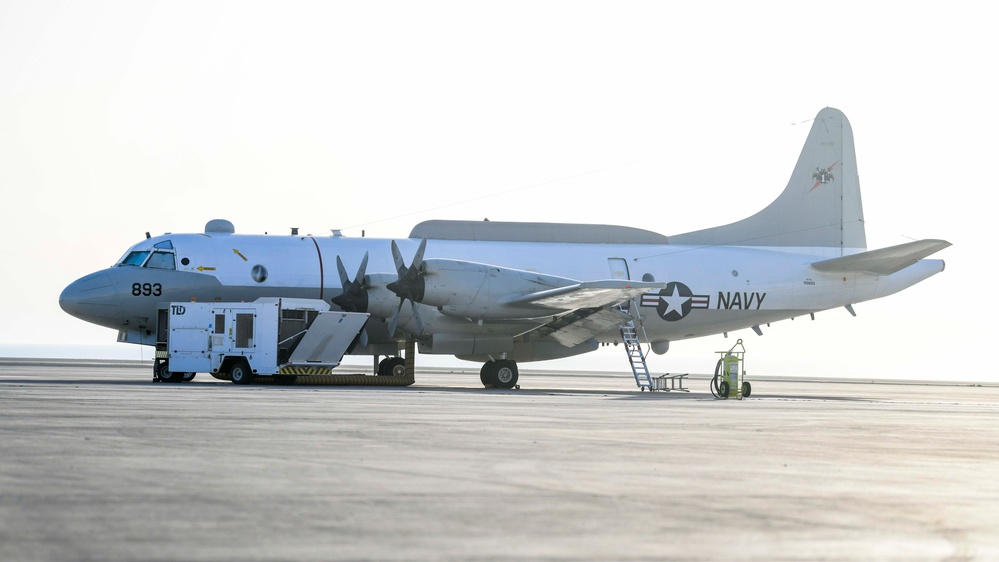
x=674 y=302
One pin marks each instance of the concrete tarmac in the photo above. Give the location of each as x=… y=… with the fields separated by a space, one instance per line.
x=98 y=463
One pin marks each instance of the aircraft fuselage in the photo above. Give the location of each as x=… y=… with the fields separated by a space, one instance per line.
x=704 y=290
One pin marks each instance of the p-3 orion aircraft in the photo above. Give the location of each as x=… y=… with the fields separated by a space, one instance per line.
x=505 y=292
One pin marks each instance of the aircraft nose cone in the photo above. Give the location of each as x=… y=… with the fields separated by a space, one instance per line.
x=93 y=298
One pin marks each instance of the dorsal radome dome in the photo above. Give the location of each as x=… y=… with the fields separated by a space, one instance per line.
x=219 y=226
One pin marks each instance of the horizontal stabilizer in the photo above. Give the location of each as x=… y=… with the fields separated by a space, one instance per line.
x=588 y=294
x=884 y=261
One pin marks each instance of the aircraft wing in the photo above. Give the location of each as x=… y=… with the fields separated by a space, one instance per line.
x=586 y=294
x=884 y=261
x=579 y=326
x=588 y=306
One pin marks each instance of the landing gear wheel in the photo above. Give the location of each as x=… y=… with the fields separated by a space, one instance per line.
x=487 y=374
x=240 y=373
x=500 y=374
x=392 y=367
x=747 y=389
x=164 y=374
x=723 y=389
x=506 y=374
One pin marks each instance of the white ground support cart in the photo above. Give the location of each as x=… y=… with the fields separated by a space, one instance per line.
x=730 y=374
x=278 y=337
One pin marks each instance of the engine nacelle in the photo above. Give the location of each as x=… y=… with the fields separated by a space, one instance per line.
x=525 y=350
x=466 y=344
x=477 y=290
x=381 y=301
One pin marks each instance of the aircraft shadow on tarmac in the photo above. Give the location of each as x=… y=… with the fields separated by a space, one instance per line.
x=267 y=386
x=623 y=394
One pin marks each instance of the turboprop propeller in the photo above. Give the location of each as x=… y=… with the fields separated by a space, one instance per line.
x=410 y=284
x=364 y=292
x=354 y=297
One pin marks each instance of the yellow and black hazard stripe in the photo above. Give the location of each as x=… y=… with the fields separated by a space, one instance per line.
x=329 y=379
x=297 y=370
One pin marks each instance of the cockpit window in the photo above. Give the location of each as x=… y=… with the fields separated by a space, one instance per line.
x=134 y=258
x=161 y=256
x=162 y=260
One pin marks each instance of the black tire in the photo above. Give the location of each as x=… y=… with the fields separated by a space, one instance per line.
x=398 y=367
x=747 y=389
x=392 y=367
x=164 y=374
x=240 y=373
x=487 y=374
x=505 y=374
x=723 y=389
x=188 y=377
x=716 y=380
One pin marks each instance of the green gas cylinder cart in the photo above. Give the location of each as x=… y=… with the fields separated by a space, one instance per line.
x=730 y=374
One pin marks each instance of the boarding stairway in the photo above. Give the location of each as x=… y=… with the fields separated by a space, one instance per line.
x=636 y=357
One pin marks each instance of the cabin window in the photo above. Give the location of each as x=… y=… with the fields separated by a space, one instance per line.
x=259 y=273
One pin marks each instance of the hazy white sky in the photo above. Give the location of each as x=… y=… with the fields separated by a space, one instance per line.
x=118 y=118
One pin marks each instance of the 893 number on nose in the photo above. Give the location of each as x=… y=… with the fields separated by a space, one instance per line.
x=147 y=289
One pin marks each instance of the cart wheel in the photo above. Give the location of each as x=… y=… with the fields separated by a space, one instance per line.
x=165 y=374
x=747 y=389
x=723 y=389
x=240 y=373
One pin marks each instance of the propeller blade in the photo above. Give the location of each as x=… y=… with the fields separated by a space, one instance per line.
x=419 y=321
x=395 y=319
x=418 y=258
x=344 y=280
x=361 y=270
x=400 y=266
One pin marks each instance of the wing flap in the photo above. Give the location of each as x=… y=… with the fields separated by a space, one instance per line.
x=884 y=261
x=573 y=331
x=586 y=294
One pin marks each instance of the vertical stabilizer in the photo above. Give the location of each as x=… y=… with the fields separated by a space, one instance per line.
x=820 y=207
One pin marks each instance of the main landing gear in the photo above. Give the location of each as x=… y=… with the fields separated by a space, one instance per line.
x=392 y=367
x=500 y=373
